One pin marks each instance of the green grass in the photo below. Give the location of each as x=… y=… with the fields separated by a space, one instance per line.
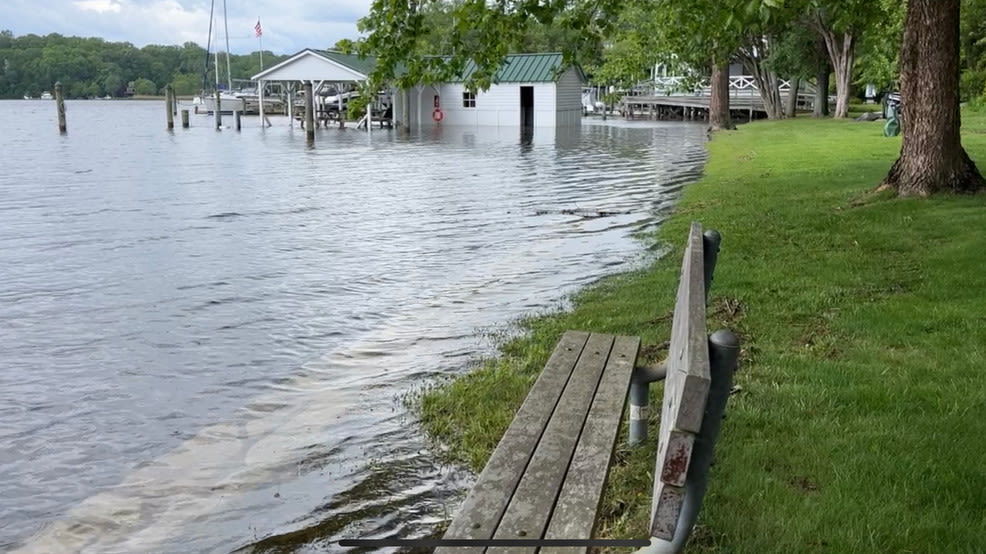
x=858 y=422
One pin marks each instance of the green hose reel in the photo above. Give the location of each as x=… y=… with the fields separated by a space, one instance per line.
x=892 y=127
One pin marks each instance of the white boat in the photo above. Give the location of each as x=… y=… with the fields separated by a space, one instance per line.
x=228 y=103
x=46 y=95
x=246 y=100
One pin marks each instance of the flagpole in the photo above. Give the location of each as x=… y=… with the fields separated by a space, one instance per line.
x=260 y=39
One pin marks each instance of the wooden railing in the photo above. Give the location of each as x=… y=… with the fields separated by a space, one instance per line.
x=739 y=85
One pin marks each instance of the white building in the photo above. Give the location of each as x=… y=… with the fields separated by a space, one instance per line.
x=532 y=90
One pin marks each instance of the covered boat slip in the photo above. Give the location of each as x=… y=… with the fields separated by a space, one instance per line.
x=531 y=90
x=322 y=69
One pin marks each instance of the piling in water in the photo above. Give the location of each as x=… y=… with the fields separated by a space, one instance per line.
x=60 y=106
x=184 y=119
x=309 y=112
x=236 y=118
x=169 y=98
x=218 y=110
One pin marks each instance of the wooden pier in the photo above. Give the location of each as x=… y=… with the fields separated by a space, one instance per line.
x=694 y=107
x=663 y=99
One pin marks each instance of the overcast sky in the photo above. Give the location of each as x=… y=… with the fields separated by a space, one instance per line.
x=288 y=25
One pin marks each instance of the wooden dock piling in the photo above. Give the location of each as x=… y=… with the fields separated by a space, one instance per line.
x=184 y=119
x=236 y=118
x=309 y=112
x=219 y=112
x=60 y=106
x=169 y=100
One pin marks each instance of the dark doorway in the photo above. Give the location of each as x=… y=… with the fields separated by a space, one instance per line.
x=527 y=106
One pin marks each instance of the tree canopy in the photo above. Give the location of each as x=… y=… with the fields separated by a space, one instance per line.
x=89 y=67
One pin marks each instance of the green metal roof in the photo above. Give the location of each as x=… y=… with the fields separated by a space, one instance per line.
x=516 y=68
x=524 y=68
x=351 y=61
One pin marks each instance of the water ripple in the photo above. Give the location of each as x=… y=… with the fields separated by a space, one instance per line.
x=206 y=335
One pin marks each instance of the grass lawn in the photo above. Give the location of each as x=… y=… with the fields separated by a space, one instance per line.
x=858 y=423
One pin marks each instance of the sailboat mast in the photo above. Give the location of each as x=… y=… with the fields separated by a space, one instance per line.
x=216 y=59
x=208 y=48
x=229 y=72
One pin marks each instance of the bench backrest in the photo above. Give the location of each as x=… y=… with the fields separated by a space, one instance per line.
x=686 y=389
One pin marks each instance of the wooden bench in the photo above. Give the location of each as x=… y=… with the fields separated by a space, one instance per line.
x=545 y=480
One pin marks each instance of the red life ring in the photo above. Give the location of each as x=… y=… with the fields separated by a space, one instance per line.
x=437 y=115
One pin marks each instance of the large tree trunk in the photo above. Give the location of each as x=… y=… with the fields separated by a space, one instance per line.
x=821 y=108
x=791 y=108
x=719 y=118
x=931 y=155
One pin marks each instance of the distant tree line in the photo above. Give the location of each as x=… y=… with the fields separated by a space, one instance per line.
x=90 y=67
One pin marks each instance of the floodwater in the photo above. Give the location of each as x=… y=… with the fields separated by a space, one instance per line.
x=205 y=336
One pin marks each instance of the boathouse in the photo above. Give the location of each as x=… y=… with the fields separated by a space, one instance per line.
x=532 y=90
x=529 y=90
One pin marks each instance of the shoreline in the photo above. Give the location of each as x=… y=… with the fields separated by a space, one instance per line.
x=851 y=306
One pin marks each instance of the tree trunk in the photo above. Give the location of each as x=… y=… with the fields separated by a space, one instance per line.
x=821 y=108
x=931 y=155
x=768 y=85
x=841 y=48
x=719 y=118
x=791 y=109
x=769 y=88
x=842 y=53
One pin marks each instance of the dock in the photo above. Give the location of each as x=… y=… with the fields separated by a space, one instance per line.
x=691 y=107
x=663 y=99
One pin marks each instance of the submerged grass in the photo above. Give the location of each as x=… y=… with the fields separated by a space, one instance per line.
x=857 y=423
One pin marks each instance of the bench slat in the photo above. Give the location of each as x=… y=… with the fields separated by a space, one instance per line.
x=685 y=389
x=531 y=506
x=484 y=506
x=580 y=498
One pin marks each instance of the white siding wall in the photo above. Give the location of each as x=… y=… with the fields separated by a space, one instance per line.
x=499 y=106
x=569 y=100
x=544 y=105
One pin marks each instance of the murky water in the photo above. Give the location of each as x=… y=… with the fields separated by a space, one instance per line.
x=204 y=335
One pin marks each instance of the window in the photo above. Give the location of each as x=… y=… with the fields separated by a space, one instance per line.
x=468 y=100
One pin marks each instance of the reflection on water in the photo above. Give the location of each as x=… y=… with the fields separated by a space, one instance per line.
x=206 y=334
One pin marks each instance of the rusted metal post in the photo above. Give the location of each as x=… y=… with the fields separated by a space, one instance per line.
x=169 y=99
x=309 y=112
x=60 y=106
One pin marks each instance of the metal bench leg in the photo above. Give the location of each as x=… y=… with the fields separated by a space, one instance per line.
x=723 y=356
x=711 y=240
x=640 y=399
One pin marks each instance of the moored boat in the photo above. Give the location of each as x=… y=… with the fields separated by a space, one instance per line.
x=228 y=103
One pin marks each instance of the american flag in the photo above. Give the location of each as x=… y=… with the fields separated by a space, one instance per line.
x=257 y=28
